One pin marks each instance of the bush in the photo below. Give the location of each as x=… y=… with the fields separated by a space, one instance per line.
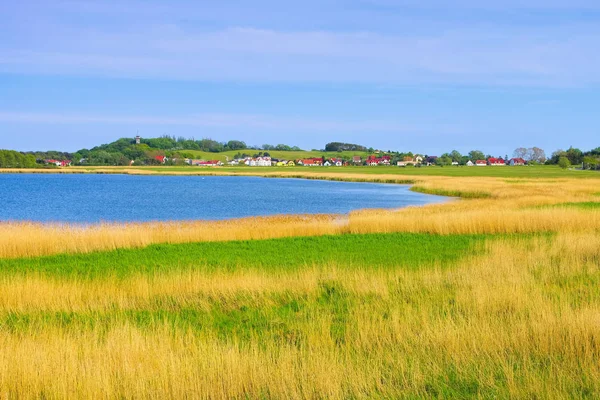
x=564 y=162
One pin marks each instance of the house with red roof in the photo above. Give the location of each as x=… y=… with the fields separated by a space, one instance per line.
x=59 y=163
x=373 y=160
x=516 y=161
x=211 y=163
x=311 y=162
x=481 y=163
x=496 y=161
x=161 y=159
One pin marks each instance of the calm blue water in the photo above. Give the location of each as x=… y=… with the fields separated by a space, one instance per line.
x=95 y=198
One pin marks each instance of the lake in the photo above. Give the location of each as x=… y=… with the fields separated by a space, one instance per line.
x=120 y=198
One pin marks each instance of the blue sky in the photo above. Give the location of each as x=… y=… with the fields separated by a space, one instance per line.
x=426 y=76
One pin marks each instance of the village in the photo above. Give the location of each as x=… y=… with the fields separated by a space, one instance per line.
x=371 y=161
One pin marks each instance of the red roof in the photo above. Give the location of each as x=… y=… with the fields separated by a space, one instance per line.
x=480 y=162
x=493 y=160
x=160 y=158
x=518 y=160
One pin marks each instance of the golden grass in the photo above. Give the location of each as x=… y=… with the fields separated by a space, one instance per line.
x=511 y=208
x=518 y=321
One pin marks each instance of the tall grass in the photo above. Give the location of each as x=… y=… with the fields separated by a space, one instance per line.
x=518 y=319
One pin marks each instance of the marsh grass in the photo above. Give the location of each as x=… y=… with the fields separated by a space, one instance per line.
x=517 y=318
x=493 y=297
x=376 y=251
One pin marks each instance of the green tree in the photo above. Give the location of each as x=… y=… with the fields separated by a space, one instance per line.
x=455 y=155
x=575 y=156
x=475 y=155
x=564 y=162
x=236 y=145
x=590 y=162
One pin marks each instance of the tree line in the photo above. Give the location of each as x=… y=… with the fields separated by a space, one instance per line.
x=15 y=159
x=125 y=150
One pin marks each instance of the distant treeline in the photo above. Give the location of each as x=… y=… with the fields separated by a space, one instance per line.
x=15 y=159
x=337 y=146
x=125 y=150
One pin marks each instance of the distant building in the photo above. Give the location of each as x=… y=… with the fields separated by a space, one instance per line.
x=496 y=161
x=470 y=163
x=481 y=163
x=138 y=140
x=408 y=160
x=59 y=163
x=516 y=161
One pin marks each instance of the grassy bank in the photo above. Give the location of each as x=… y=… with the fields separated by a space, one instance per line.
x=502 y=317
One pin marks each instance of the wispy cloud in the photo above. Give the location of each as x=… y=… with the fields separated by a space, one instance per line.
x=264 y=122
x=561 y=55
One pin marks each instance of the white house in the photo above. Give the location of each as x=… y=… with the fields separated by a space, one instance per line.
x=327 y=164
x=469 y=163
x=263 y=162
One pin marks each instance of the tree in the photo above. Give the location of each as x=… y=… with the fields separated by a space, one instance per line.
x=9 y=159
x=575 y=156
x=590 y=162
x=444 y=160
x=520 y=152
x=236 y=145
x=536 y=154
x=557 y=155
x=455 y=155
x=564 y=162
x=476 y=155
x=338 y=146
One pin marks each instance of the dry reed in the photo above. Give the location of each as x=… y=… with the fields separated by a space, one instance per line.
x=517 y=321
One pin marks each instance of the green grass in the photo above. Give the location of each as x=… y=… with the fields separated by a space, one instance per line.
x=452 y=193
x=588 y=205
x=369 y=251
x=525 y=172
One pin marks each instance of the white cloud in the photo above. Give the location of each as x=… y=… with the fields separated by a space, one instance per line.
x=160 y=44
x=248 y=54
x=250 y=121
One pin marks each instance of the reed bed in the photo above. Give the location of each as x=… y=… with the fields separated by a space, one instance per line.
x=489 y=205
x=520 y=319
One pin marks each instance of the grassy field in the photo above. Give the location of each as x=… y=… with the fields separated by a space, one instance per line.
x=494 y=295
x=532 y=172
x=384 y=172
